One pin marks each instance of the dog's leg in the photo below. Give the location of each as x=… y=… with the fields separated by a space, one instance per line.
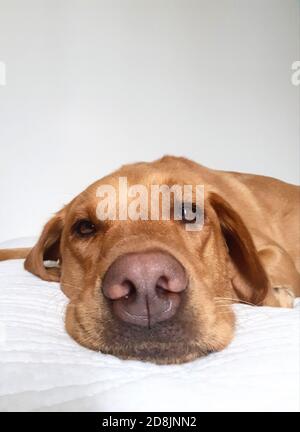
x=283 y=275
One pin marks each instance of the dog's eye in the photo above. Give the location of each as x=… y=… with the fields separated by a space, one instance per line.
x=189 y=212
x=85 y=228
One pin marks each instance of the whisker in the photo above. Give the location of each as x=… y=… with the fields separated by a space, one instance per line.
x=234 y=301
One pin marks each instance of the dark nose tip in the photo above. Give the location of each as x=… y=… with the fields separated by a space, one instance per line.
x=145 y=288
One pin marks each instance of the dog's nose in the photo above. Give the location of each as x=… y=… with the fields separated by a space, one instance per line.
x=145 y=288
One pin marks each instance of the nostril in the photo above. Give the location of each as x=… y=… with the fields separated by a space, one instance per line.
x=162 y=285
x=130 y=289
x=173 y=284
x=119 y=291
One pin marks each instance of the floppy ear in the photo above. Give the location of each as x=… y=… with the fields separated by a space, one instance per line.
x=47 y=248
x=249 y=278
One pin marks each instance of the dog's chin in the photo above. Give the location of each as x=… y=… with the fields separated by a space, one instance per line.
x=175 y=341
x=148 y=350
x=154 y=352
x=162 y=354
x=168 y=342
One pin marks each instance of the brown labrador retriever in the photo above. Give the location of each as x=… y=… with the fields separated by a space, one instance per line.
x=152 y=290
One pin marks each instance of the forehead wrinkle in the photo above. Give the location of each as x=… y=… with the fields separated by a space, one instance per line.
x=84 y=207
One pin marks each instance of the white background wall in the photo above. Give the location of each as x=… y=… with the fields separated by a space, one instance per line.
x=94 y=84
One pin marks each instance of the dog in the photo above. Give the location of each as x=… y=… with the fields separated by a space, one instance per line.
x=154 y=291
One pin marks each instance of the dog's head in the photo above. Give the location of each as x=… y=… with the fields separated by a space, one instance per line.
x=150 y=289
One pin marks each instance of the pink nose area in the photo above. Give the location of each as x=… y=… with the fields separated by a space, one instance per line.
x=145 y=288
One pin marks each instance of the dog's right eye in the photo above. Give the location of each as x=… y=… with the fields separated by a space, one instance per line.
x=189 y=212
x=84 y=228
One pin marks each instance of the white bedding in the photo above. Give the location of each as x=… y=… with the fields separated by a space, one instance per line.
x=42 y=368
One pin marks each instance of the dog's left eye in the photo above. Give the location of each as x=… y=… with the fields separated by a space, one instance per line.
x=189 y=212
x=85 y=228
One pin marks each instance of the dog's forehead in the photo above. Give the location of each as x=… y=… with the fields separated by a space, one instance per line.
x=166 y=171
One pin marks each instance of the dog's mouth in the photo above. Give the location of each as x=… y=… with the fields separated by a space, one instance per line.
x=182 y=338
x=161 y=354
x=169 y=341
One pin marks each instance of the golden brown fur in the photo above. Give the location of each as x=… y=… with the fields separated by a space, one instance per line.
x=248 y=251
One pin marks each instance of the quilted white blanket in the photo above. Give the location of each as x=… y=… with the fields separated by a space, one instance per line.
x=43 y=369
